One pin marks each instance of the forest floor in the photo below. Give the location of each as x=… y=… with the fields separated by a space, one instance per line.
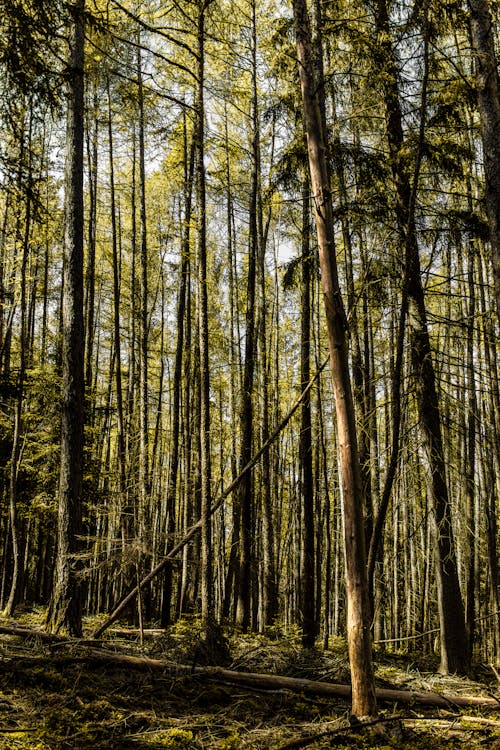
x=58 y=697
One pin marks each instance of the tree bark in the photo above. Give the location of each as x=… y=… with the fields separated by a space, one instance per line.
x=145 y=519
x=307 y=609
x=176 y=397
x=207 y=594
x=116 y=318
x=65 y=606
x=246 y=506
x=17 y=567
x=488 y=91
x=358 y=619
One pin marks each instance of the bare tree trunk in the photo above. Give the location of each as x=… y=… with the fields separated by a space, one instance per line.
x=176 y=397
x=116 y=313
x=65 y=607
x=17 y=571
x=207 y=594
x=269 y=603
x=307 y=608
x=144 y=523
x=245 y=492
x=232 y=568
x=358 y=625
x=488 y=90
x=92 y=154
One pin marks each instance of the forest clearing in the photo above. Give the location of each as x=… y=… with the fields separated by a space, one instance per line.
x=249 y=373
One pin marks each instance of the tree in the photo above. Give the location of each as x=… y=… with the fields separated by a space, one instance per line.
x=488 y=91
x=307 y=569
x=207 y=597
x=66 y=603
x=247 y=411
x=358 y=618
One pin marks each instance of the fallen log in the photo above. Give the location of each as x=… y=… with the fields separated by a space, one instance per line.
x=40 y=635
x=258 y=681
x=255 y=680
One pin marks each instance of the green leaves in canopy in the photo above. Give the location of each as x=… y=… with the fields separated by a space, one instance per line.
x=30 y=48
x=470 y=223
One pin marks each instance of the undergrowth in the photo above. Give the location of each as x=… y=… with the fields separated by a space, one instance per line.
x=53 y=699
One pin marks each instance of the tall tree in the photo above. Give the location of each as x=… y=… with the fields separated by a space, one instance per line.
x=245 y=493
x=207 y=595
x=488 y=92
x=307 y=568
x=358 y=618
x=17 y=571
x=144 y=324
x=66 y=605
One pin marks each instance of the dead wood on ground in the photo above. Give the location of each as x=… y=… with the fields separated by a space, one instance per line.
x=257 y=681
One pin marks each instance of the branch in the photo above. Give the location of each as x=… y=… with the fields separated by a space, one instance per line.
x=155 y=29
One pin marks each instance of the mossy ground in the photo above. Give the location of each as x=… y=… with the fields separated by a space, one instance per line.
x=53 y=699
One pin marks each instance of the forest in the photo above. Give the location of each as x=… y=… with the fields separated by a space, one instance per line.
x=249 y=381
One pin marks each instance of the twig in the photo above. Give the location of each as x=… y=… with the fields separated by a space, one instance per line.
x=351 y=729
x=408 y=637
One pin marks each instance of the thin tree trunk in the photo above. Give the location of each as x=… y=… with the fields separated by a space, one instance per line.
x=92 y=153
x=116 y=314
x=307 y=608
x=65 y=607
x=207 y=594
x=177 y=381
x=245 y=493
x=488 y=90
x=17 y=569
x=232 y=568
x=358 y=625
x=454 y=656
x=144 y=522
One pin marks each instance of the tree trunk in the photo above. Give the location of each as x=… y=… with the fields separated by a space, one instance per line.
x=116 y=314
x=17 y=569
x=176 y=397
x=245 y=493
x=207 y=595
x=65 y=606
x=488 y=91
x=358 y=625
x=145 y=519
x=307 y=609
x=92 y=159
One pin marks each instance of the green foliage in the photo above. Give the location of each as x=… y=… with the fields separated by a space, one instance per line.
x=175 y=739
x=29 y=36
x=470 y=223
x=449 y=102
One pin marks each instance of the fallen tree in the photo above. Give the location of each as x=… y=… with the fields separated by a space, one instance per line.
x=258 y=681
x=253 y=680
